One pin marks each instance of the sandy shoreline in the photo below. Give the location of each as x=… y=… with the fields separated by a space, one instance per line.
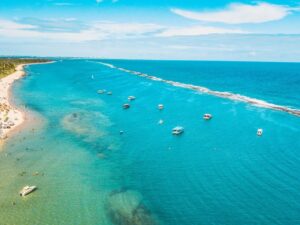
x=11 y=117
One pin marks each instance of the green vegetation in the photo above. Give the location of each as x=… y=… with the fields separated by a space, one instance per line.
x=8 y=65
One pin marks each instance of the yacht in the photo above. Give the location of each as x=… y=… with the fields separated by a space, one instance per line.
x=160 y=122
x=160 y=106
x=27 y=190
x=207 y=116
x=101 y=91
x=126 y=106
x=259 y=132
x=177 y=130
x=131 y=98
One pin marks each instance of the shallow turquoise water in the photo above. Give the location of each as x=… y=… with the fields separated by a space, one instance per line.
x=217 y=172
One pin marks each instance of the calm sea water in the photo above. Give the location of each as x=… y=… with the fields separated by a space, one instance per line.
x=217 y=172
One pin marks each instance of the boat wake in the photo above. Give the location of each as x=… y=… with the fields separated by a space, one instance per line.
x=222 y=94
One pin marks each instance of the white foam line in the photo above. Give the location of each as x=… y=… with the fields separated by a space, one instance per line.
x=222 y=94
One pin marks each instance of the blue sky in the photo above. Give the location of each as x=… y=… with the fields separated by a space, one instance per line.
x=156 y=29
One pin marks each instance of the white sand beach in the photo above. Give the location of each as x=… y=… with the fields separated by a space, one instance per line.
x=10 y=116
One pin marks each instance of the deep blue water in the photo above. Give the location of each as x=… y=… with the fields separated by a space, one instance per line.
x=275 y=82
x=217 y=172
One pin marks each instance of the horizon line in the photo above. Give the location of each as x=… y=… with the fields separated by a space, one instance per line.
x=144 y=59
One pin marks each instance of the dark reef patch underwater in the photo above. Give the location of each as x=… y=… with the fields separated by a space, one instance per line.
x=126 y=207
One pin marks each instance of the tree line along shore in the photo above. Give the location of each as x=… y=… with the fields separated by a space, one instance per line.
x=8 y=65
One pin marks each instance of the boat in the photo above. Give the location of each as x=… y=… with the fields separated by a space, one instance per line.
x=131 y=98
x=259 y=132
x=27 y=190
x=101 y=91
x=207 y=116
x=160 y=106
x=126 y=106
x=160 y=122
x=92 y=77
x=177 y=130
x=109 y=93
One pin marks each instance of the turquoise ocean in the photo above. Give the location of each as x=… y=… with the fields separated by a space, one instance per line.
x=216 y=172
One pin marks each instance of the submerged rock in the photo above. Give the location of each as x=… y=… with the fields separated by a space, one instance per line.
x=101 y=155
x=87 y=124
x=125 y=207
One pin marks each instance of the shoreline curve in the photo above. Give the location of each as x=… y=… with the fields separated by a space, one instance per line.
x=11 y=116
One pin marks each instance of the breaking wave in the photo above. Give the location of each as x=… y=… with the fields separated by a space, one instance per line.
x=222 y=94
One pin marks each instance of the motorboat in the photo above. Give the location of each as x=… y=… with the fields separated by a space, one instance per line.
x=160 y=122
x=27 y=190
x=207 y=116
x=259 y=132
x=177 y=130
x=131 y=98
x=109 y=93
x=101 y=91
x=160 y=106
x=126 y=106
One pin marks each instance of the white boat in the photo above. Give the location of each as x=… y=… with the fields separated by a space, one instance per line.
x=109 y=93
x=259 y=132
x=160 y=122
x=177 y=130
x=101 y=91
x=131 y=98
x=207 y=116
x=27 y=190
x=160 y=106
x=126 y=106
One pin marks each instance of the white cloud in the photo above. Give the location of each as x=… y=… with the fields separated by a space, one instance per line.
x=197 y=31
x=125 y=29
x=252 y=53
x=238 y=13
x=10 y=25
x=204 y=47
x=94 y=32
x=63 y=4
x=70 y=19
x=113 y=1
x=100 y=30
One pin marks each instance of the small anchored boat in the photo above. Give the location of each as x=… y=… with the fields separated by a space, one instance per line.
x=259 y=132
x=177 y=130
x=160 y=122
x=101 y=91
x=109 y=93
x=27 y=190
x=160 y=106
x=131 y=98
x=126 y=106
x=207 y=116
